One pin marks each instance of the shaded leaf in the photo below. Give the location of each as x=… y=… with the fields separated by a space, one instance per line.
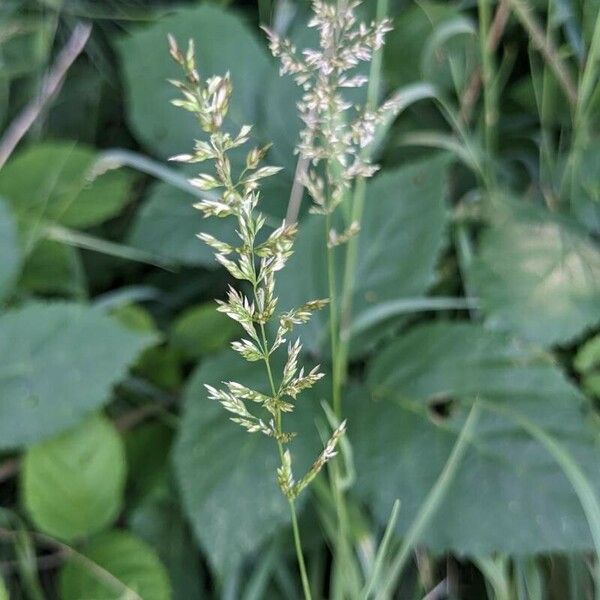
x=73 y=484
x=401 y=236
x=223 y=43
x=132 y=571
x=509 y=495
x=47 y=383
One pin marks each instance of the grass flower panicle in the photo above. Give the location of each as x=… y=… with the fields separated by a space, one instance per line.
x=255 y=260
x=335 y=131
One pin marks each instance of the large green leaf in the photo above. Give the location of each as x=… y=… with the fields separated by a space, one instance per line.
x=402 y=233
x=10 y=255
x=223 y=43
x=58 y=362
x=55 y=182
x=73 y=484
x=509 y=495
x=3 y=591
x=128 y=569
x=539 y=277
x=222 y=468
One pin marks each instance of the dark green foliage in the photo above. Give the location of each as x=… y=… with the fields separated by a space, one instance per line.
x=477 y=283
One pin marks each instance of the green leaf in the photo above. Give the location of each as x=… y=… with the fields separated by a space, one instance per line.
x=401 y=237
x=54 y=268
x=223 y=43
x=54 y=182
x=73 y=484
x=202 y=330
x=509 y=495
x=10 y=255
x=167 y=225
x=128 y=569
x=538 y=277
x=58 y=362
x=218 y=463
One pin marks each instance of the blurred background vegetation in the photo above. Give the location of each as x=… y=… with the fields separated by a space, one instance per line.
x=479 y=276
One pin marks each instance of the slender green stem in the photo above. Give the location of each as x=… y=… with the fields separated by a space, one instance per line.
x=333 y=322
x=358 y=201
x=299 y=555
x=296 y=529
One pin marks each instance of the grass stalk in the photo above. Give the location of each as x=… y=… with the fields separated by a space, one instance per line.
x=291 y=503
x=358 y=200
x=546 y=48
x=299 y=554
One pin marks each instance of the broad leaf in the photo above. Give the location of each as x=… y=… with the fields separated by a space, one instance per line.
x=55 y=182
x=539 y=277
x=133 y=571
x=219 y=465
x=58 y=362
x=3 y=590
x=73 y=484
x=509 y=494
x=223 y=43
x=402 y=234
x=10 y=255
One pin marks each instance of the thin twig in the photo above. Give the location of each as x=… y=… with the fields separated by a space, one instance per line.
x=51 y=86
x=297 y=191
